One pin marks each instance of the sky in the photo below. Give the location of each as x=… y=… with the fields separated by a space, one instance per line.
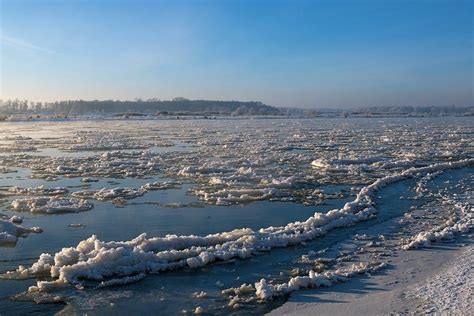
x=320 y=53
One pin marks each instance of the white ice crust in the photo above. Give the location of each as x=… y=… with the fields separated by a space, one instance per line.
x=9 y=231
x=462 y=224
x=50 y=205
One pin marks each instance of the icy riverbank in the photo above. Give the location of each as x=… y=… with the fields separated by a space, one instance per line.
x=433 y=280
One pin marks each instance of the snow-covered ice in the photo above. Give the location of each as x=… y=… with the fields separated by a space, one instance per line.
x=50 y=205
x=274 y=194
x=97 y=260
x=9 y=231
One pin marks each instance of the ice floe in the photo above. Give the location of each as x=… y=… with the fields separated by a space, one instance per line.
x=50 y=205
x=9 y=231
x=36 y=191
x=121 y=194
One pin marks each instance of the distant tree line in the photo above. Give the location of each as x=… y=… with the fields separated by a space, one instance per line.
x=434 y=110
x=150 y=106
x=380 y=110
x=182 y=106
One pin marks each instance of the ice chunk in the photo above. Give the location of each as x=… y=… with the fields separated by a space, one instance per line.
x=50 y=205
x=9 y=232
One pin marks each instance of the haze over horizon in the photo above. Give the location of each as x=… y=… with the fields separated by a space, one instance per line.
x=283 y=53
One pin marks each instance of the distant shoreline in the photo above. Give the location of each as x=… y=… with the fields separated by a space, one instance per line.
x=175 y=117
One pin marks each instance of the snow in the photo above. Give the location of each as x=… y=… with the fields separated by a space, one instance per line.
x=450 y=291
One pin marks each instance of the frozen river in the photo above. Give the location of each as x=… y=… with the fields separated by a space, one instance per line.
x=220 y=216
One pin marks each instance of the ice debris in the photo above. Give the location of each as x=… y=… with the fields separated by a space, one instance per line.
x=94 y=259
x=453 y=226
x=266 y=291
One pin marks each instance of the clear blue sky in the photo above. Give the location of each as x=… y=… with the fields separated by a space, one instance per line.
x=286 y=53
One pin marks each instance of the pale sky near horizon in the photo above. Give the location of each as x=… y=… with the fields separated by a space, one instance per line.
x=318 y=53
